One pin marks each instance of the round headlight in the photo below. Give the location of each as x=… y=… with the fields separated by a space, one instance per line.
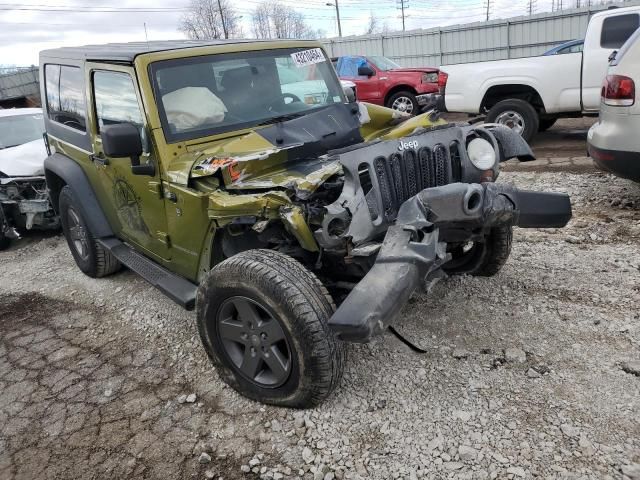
x=481 y=153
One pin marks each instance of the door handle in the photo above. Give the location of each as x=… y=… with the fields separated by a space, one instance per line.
x=100 y=160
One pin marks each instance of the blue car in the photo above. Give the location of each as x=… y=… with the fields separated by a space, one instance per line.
x=572 y=46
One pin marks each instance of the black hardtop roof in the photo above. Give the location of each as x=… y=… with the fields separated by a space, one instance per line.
x=126 y=52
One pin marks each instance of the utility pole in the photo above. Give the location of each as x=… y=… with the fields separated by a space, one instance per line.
x=224 y=23
x=335 y=4
x=488 y=9
x=404 y=4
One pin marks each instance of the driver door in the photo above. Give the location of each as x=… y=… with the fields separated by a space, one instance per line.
x=367 y=88
x=134 y=202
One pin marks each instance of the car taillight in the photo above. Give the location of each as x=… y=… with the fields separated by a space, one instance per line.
x=618 y=90
x=442 y=81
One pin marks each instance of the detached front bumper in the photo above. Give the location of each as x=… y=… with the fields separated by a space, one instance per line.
x=411 y=250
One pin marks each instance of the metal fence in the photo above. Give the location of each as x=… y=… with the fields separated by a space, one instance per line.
x=474 y=42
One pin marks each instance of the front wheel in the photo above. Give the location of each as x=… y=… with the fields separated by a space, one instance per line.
x=404 y=102
x=262 y=318
x=518 y=115
x=483 y=259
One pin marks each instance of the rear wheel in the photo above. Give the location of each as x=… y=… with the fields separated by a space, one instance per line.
x=404 y=102
x=262 y=318
x=91 y=257
x=483 y=259
x=518 y=115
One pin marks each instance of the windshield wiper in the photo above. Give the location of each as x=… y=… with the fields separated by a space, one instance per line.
x=281 y=118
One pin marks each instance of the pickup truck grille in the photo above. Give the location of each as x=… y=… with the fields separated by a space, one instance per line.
x=401 y=175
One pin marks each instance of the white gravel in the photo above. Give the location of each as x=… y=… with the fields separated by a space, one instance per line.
x=528 y=374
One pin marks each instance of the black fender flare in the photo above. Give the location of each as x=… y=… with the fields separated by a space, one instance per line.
x=60 y=170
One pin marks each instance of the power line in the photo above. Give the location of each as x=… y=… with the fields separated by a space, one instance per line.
x=488 y=6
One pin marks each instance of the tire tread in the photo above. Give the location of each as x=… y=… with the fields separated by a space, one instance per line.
x=311 y=305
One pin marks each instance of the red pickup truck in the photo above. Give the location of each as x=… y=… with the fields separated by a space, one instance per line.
x=383 y=82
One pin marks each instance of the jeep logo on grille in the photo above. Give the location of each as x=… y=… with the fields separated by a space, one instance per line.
x=407 y=145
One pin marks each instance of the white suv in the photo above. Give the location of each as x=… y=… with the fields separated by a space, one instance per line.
x=614 y=142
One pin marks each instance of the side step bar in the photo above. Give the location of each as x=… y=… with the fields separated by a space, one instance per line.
x=179 y=289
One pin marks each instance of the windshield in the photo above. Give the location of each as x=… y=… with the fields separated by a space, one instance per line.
x=18 y=129
x=383 y=63
x=211 y=94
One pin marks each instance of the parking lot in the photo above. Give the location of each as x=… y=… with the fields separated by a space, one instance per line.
x=532 y=373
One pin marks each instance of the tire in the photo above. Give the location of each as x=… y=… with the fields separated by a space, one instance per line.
x=482 y=259
x=93 y=259
x=404 y=98
x=546 y=124
x=517 y=115
x=280 y=290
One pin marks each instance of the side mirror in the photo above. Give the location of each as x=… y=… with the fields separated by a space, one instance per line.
x=350 y=93
x=122 y=140
x=366 y=71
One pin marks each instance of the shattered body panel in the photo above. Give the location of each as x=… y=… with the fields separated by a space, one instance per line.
x=25 y=205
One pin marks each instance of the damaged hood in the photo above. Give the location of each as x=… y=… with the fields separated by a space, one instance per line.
x=289 y=153
x=25 y=160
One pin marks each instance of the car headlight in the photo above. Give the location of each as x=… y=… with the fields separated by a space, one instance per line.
x=430 y=77
x=481 y=153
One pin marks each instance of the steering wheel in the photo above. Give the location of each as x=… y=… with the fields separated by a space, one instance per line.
x=294 y=98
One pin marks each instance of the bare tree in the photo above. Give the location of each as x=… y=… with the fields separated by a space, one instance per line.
x=374 y=25
x=210 y=19
x=273 y=19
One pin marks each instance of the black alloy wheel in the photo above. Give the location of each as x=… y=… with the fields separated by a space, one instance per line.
x=254 y=341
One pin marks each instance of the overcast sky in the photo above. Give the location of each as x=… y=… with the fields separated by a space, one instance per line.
x=30 y=26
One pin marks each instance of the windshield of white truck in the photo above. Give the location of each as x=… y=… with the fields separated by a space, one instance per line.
x=19 y=129
x=206 y=95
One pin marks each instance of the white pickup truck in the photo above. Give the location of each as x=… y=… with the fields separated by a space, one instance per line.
x=530 y=94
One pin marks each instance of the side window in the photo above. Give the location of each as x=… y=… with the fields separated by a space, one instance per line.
x=570 y=49
x=115 y=101
x=348 y=66
x=52 y=86
x=115 y=98
x=65 y=96
x=617 y=30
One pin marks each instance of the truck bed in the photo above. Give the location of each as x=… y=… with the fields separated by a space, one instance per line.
x=556 y=78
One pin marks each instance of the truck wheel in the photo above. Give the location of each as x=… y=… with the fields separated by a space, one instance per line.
x=482 y=259
x=93 y=259
x=516 y=114
x=546 y=124
x=404 y=102
x=262 y=318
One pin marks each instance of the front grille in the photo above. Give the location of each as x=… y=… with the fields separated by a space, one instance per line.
x=402 y=175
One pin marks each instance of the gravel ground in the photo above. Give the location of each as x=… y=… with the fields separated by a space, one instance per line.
x=532 y=373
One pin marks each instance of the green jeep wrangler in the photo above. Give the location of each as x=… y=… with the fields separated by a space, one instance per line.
x=239 y=179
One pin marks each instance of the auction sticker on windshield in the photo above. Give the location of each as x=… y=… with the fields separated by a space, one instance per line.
x=308 y=57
